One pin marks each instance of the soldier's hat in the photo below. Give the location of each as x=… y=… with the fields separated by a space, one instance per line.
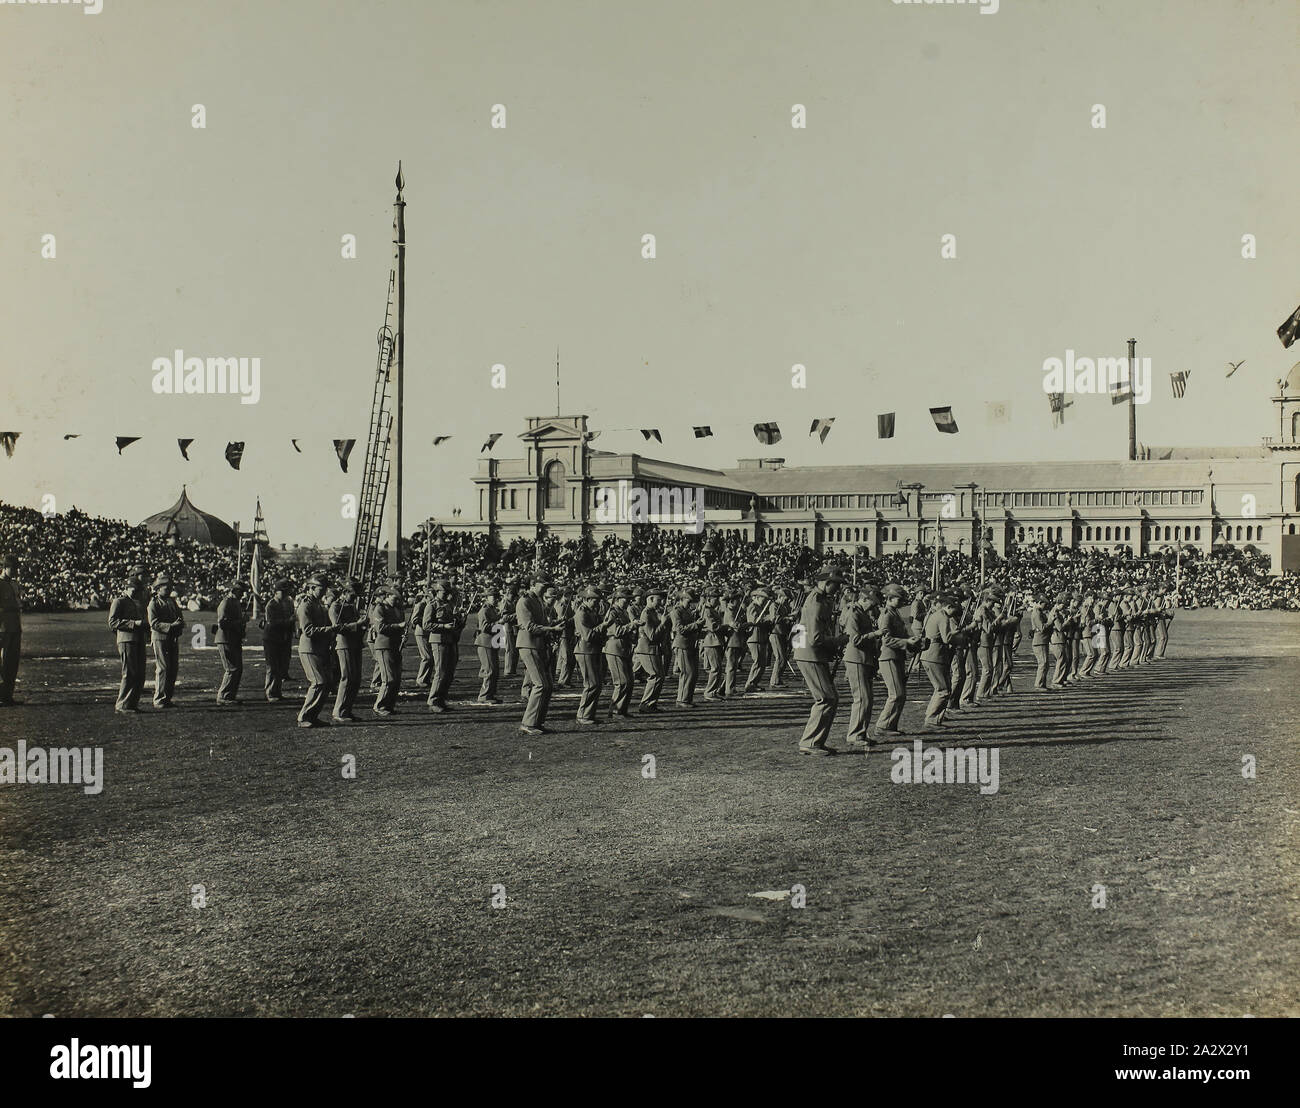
x=441 y=583
x=138 y=571
x=353 y=584
x=11 y=561
x=1062 y=597
x=832 y=576
x=163 y=578
x=893 y=589
x=761 y=593
x=622 y=593
x=284 y=584
x=592 y=593
x=690 y=594
x=654 y=590
x=869 y=593
x=313 y=580
x=949 y=600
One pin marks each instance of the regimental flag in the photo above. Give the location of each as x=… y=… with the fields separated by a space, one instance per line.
x=234 y=454
x=9 y=439
x=438 y=440
x=1178 y=382
x=943 y=420
x=705 y=432
x=885 y=425
x=123 y=441
x=184 y=444
x=767 y=433
x=296 y=446
x=821 y=427
x=1290 y=330
x=343 y=447
x=651 y=433
x=1059 y=404
x=491 y=441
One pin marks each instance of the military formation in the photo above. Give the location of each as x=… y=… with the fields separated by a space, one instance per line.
x=604 y=639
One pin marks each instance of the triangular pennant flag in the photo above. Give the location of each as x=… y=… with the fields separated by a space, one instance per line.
x=343 y=447
x=885 y=425
x=491 y=441
x=296 y=446
x=767 y=433
x=822 y=426
x=184 y=444
x=943 y=420
x=651 y=433
x=705 y=432
x=123 y=442
x=438 y=440
x=1290 y=330
x=9 y=439
x=234 y=453
x=1178 y=382
x=67 y=437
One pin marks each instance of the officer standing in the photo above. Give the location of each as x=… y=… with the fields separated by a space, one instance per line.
x=388 y=626
x=587 y=646
x=165 y=626
x=733 y=618
x=619 y=630
x=316 y=634
x=779 y=637
x=424 y=676
x=231 y=623
x=442 y=628
x=346 y=615
x=1041 y=631
x=128 y=619
x=487 y=620
x=648 y=658
x=815 y=646
x=713 y=644
x=11 y=629
x=896 y=642
x=759 y=617
x=277 y=639
x=686 y=633
x=536 y=625
x=510 y=652
x=862 y=660
x=937 y=658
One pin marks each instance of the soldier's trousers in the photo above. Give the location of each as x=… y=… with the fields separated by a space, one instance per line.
x=756 y=666
x=589 y=699
x=11 y=649
x=315 y=668
x=541 y=685
x=713 y=667
x=1076 y=656
x=1162 y=637
x=620 y=675
x=166 y=663
x=232 y=669
x=1103 y=656
x=1061 y=666
x=956 y=679
x=445 y=657
x=276 y=652
x=973 y=668
x=424 y=675
x=688 y=675
x=132 y=655
x=652 y=667
x=388 y=665
x=937 y=672
x=1089 y=657
x=735 y=657
x=985 y=688
x=893 y=672
x=563 y=660
x=349 y=662
x=489 y=672
x=1116 y=648
x=1127 y=659
x=510 y=660
x=817 y=676
x=862 y=676
x=779 y=657
x=1040 y=674
x=1006 y=660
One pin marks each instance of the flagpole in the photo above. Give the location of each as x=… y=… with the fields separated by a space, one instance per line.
x=1132 y=393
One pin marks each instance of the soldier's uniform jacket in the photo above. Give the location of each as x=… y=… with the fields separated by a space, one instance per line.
x=11 y=606
x=986 y=621
x=387 y=626
x=510 y=616
x=563 y=610
x=314 y=629
x=650 y=634
x=818 y=619
x=783 y=610
x=1063 y=625
x=164 y=611
x=619 y=633
x=532 y=616
x=759 y=628
x=279 y=621
x=894 y=642
x=230 y=622
x=715 y=630
x=1040 y=626
x=346 y=616
x=127 y=618
x=686 y=627
x=419 y=616
x=733 y=618
x=488 y=617
x=1009 y=626
x=863 y=646
x=939 y=630
x=586 y=625
x=440 y=622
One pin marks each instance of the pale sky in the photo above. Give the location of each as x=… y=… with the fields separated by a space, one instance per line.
x=775 y=245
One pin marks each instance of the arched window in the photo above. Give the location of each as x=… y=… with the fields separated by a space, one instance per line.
x=857 y=534
x=1198 y=534
x=1239 y=534
x=893 y=534
x=1297 y=487
x=1167 y=536
x=1108 y=534
x=1291 y=529
x=555 y=484
x=1295 y=426
x=1020 y=532
x=1127 y=531
x=1178 y=534
x=1058 y=534
x=1248 y=530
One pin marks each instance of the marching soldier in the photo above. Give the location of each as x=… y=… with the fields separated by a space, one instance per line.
x=1062 y=630
x=985 y=621
x=862 y=660
x=896 y=642
x=713 y=644
x=1167 y=606
x=388 y=628
x=442 y=628
x=11 y=629
x=1008 y=638
x=759 y=617
x=165 y=624
x=1076 y=636
x=128 y=619
x=587 y=647
x=1041 y=629
x=619 y=629
x=424 y=676
x=1101 y=634
x=1087 y=637
x=536 y=625
x=564 y=641
x=231 y=622
x=779 y=638
x=648 y=658
x=347 y=616
x=487 y=620
x=277 y=639
x=937 y=657
x=1115 y=616
x=686 y=633
x=733 y=618
x=1128 y=608
x=510 y=652
x=316 y=634
x=814 y=652
x=960 y=634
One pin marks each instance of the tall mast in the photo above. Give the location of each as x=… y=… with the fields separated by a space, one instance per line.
x=399 y=339
x=1132 y=409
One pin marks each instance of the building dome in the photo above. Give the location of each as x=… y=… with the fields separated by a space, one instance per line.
x=185 y=521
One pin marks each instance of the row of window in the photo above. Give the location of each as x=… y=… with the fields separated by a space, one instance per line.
x=1167 y=498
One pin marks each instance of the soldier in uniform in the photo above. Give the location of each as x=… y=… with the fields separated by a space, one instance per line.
x=231 y=622
x=733 y=618
x=862 y=660
x=346 y=615
x=128 y=619
x=713 y=644
x=277 y=639
x=388 y=626
x=648 y=658
x=1041 y=629
x=536 y=627
x=1100 y=634
x=510 y=652
x=588 y=643
x=961 y=633
x=619 y=629
x=1062 y=631
x=984 y=632
x=939 y=630
x=1167 y=604
x=1008 y=638
x=815 y=648
x=896 y=642
x=564 y=641
x=424 y=676
x=759 y=617
x=779 y=637
x=686 y=632
x=316 y=635
x=165 y=624
x=1128 y=609
x=442 y=629
x=487 y=620
x=11 y=629
x=1115 y=616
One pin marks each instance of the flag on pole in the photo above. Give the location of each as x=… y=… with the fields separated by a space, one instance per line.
x=9 y=439
x=343 y=447
x=438 y=440
x=234 y=453
x=1059 y=404
x=704 y=432
x=767 y=433
x=943 y=420
x=184 y=444
x=651 y=433
x=1121 y=390
x=1178 y=382
x=885 y=426
x=821 y=427
x=123 y=441
x=491 y=441
x=587 y=436
x=1290 y=330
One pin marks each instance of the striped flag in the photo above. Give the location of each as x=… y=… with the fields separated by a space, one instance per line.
x=885 y=425
x=1178 y=382
x=767 y=433
x=491 y=441
x=1290 y=330
x=651 y=433
x=234 y=454
x=821 y=427
x=943 y=420
x=705 y=432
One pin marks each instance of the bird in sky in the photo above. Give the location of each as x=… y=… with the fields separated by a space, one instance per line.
x=1234 y=366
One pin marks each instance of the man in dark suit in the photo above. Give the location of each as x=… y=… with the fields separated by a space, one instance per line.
x=11 y=629
x=536 y=627
x=128 y=619
x=165 y=625
x=231 y=623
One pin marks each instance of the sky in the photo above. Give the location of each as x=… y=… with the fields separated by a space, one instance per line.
x=774 y=245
